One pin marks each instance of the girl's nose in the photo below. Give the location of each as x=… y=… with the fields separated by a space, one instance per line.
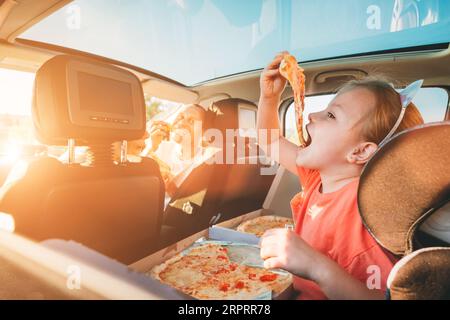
x=318 y=116
x=312 y=116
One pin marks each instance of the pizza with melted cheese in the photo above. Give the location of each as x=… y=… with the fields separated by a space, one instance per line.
x=206 y=272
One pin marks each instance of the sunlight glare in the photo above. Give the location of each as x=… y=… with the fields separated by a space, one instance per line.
x=7 y=222
x=16 y=91
x=12 y=152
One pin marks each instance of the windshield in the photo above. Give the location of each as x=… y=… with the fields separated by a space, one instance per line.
x=15 y=111
x=191 y=41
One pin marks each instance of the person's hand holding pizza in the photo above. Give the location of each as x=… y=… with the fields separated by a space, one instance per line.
x=159 y=132
x=272 y=83
x=284 y=249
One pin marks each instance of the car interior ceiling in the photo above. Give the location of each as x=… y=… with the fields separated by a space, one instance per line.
x=322 y=76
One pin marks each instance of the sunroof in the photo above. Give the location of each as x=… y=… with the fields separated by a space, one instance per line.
x=192 y=41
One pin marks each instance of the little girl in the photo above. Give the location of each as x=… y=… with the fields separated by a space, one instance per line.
x=330 y=252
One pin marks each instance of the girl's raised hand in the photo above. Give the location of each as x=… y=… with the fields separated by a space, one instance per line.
x=272 y=82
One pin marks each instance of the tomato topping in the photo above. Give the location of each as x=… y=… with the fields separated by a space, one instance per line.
x=221 y=270
x=224 y=287
x=268 y=277
x=222 y=257
x=233 y=267
x=239 y=285
x=252 y=276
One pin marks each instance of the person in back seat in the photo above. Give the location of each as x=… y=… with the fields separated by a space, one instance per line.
x=179 y=148
x=330 y=251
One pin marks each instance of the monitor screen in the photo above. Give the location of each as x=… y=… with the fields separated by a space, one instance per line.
x=105 y=95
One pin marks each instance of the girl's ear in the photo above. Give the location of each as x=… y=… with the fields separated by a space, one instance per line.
x=362 y=153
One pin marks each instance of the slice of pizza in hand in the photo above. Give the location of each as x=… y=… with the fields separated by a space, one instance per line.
x=290 y=70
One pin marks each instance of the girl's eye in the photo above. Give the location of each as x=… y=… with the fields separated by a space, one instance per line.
x=330 y=115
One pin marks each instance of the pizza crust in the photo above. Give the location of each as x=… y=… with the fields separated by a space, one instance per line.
x=159 y=268
x=258 y=226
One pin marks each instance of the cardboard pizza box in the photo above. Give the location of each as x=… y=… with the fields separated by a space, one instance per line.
x=226 y=231
x=159 y=257
x=146 y=264
x=233 y=223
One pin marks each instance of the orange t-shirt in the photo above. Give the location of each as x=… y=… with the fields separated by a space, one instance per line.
x=331 y=224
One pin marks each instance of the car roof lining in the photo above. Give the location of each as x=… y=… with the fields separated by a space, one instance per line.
x=405 y=67
x=433 y=66
x=27 y=13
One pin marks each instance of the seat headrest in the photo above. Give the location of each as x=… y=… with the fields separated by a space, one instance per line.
x=228 y=113
x=404 y=183
x=236 y=120
x=91 y=102
x=422 y=275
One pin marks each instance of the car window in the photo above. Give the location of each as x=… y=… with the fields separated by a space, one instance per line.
x=16 y=130
x=432 y=103
x=161 y=110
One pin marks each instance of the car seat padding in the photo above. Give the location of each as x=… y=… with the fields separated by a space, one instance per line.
x=424 y=274
x=405 y=182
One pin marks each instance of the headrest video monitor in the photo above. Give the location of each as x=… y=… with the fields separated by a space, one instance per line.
x=102 y=97
x=89 y=101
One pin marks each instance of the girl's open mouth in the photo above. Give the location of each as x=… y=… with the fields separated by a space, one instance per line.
x=308 y=138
